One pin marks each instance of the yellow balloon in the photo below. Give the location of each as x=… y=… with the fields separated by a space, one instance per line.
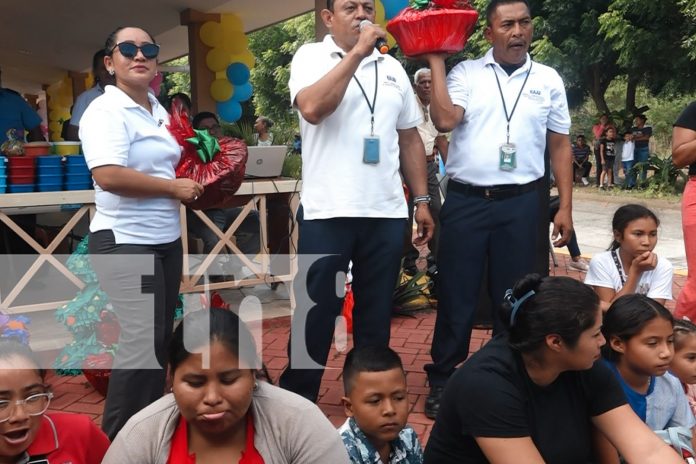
x=231 y=22
x=234 y=42
x=55 y=126
x=89 y=81
x=217 y=60
x=221 y=75
x=221 y=90
x=65 y=101
x=211 y=34
x=54 y=114
x=245 y=57
x=381 y=19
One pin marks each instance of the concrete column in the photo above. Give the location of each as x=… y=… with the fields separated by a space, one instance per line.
x=201 y=76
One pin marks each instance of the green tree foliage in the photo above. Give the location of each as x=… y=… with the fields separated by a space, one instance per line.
x=176 y=82
x=274 y=48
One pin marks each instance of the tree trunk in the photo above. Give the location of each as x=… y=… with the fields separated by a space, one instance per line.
x=631 y=88
x=597 y=88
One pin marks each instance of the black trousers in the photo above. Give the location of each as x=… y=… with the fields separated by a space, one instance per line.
x=474 y=229
x=374 y=245
x=143 y=291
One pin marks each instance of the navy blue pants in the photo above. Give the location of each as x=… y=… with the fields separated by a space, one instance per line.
x=375 y=247
x=473 y=229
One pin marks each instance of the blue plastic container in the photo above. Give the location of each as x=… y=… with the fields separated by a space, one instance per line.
x=78 y=178
x=3 y=161
x=49 y=187
x=20 y=188
x=3 y=188
x=3 y=170
x=75 y=160
x=50 y=171
x=77 y=169
x=49 y=160
x=50 y=179
x=79 y=186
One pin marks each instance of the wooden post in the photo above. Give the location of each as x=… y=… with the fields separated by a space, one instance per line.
x=201 y=76
x=319 y=29
x=78 y=83
x=32 y=100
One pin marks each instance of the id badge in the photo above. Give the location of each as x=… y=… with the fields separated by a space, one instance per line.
x=508 y=157
x=371 y=150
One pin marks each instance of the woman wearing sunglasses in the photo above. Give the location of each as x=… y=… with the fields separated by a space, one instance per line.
x=135 y=234
x=28 y=434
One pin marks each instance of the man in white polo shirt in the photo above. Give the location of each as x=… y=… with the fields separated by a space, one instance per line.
x=505 y=110
x=358 y=118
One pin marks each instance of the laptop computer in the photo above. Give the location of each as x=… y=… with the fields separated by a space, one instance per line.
x=265 y=161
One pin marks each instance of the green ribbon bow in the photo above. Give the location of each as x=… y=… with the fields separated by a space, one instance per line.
x=206 y=145
x=420 y=4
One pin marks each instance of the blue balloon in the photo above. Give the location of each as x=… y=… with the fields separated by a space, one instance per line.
x=242 y=92
x=238 y=73
x=393 y=7
x=229 y=110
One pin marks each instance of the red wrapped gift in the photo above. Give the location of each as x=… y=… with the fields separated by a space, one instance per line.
x=217 y=164
x=434 y=30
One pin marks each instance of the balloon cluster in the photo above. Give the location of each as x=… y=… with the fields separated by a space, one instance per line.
x=60 y=99
x=386 y=10
x=230 y=60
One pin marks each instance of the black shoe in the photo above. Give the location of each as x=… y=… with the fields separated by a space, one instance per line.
x=432 y=402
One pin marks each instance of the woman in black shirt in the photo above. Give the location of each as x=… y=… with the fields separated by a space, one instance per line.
x=533 y=395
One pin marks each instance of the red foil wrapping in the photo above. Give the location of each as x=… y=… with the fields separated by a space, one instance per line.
x=221 y=177
x=435 y=30
x=459 y=4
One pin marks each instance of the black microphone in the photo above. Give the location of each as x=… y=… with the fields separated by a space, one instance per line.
x=381 y=44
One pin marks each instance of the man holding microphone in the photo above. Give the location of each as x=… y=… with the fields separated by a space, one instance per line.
x=358 y=118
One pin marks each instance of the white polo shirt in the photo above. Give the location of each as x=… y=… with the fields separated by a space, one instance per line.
x=117 y=131
x=474 y=150
x=335 y=181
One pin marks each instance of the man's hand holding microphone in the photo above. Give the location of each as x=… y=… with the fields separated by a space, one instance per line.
x=371 y=36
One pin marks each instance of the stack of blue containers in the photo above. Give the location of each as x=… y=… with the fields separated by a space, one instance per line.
x=3 y=175
x=77 y=175
x=49 y=173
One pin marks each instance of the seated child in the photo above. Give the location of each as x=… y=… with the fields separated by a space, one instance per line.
x=630 y=265
x=376 y=404
x=639 y=349
x=684 y=363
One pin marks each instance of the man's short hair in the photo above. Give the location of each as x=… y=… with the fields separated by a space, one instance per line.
x=368 y=359
x=98 y=58
x=329 y=5
x=642 y=116
x=419 y=73
x=494 y=4
x=196 y=122
x=580 y=136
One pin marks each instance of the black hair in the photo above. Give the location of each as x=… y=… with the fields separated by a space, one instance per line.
x=559 y=305
x=202 y=328
x=627 y=214
x=369 y=358
x=98 y=58
x=682 y=329
x=627 y=316
x=642 y=116
x=9 y=347
x=330 y=5
x=580 y=136
x=266 y=121
x=494 y=4
x=181 y=96
x=111 y=39
x=196 y=122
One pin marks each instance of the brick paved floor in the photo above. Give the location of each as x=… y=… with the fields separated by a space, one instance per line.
x=410 y=337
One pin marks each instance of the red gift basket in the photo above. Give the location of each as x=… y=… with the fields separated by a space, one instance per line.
x=217 y=164
x=433 y=30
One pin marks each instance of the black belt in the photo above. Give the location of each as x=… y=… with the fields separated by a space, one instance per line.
x=493 y=192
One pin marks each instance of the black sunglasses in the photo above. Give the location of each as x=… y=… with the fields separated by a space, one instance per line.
x=129 y=50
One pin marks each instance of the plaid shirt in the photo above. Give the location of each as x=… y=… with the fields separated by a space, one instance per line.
x=406 y=449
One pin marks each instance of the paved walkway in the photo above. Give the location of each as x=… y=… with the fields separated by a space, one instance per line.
x=410 y=337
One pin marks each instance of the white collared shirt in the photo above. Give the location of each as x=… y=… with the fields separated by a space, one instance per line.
x=426 y=129
x=115 y=130
x=474 y=151
x=335 y=181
